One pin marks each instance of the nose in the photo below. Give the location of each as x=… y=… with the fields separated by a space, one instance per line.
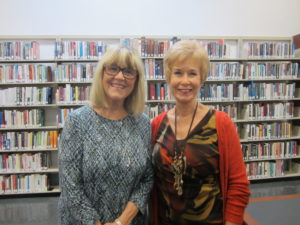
x=120 y=76
x=185 y=78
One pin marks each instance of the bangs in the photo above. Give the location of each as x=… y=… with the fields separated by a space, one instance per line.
x=121 y=57
x=181 y=58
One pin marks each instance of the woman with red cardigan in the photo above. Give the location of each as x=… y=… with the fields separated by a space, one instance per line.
x=200 y=176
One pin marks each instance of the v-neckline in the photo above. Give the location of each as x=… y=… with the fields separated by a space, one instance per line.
x=192 y=129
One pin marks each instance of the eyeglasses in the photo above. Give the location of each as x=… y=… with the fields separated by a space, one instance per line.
x=128 y=73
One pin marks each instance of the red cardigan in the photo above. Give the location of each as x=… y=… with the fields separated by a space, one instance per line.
x=233 y=177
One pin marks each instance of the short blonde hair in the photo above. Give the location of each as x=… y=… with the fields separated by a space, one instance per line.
x=135 y=102
x=183 y=50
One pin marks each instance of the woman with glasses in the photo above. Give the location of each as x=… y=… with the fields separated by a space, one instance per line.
x=104 y=161
x=200 y=176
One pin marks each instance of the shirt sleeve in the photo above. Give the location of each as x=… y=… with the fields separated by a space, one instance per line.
x=238 y=185
x=140 y=194
x=70 y=171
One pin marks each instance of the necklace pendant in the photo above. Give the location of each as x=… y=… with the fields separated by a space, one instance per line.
x=177 y=167
x=179 y=191
x=179 y=163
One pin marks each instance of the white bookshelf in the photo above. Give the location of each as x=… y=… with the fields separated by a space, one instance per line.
x=230 y=50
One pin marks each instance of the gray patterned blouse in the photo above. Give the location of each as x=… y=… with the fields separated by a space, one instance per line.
x=103 y=164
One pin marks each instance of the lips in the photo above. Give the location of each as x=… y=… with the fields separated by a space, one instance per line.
x=185 y=91
x=119 y=86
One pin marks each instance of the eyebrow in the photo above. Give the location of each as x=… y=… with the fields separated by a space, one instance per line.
x=174 y=68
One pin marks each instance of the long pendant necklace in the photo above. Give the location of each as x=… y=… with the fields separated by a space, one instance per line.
x=179 y=161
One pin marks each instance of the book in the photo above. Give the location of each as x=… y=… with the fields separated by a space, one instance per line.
x=296 y=43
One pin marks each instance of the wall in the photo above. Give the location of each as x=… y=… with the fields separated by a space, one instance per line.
x=155 y=17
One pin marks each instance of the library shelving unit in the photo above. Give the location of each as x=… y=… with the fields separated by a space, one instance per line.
x=42 y=78
x=256 y=81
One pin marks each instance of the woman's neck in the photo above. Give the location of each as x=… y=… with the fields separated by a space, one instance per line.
x=115 y=112
x=185 y=110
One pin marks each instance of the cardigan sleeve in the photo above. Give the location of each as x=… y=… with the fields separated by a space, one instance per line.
x=141 y=192
x=237 y=195
x=71 y=180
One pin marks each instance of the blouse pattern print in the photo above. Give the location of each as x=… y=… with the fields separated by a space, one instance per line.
x=103 y=164
x=201 y=202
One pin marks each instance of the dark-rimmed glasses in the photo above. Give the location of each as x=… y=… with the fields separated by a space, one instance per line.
x=127 y=72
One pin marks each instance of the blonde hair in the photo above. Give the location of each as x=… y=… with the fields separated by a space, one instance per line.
x=135 y=102
x=183 y=50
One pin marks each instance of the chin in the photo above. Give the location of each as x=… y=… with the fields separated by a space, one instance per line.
x=184 y=100
x=117 y=98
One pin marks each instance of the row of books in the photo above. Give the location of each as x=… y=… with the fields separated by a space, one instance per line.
x=72 y=94
x=153 y=110
x=216 y=48
x=148 y=47
x=155 y=48
x=250 y=111
x=230 y=109
x=25 y=96
x=267 y=169
x=270 y=150
x=20 y=73
x=62 y=115
x=75 y=72
x=24 y=162
x=254 y=111
x=252 y=70
x=270 y=70
x=232 y=91
x=33 y=73
x=154 y=68
x=22 y=118
x=79 y=49
x=79 y=72
x=244 y=91
x=12 y=141
x=270 y=49
x=158 y=91
x=257 y=131
x=257 y=111
x=23 y=183
x=19 y=50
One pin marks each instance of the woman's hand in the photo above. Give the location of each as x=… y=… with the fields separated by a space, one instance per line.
x=97 y=223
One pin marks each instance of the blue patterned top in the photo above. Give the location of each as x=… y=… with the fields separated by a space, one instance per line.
x=103 y=164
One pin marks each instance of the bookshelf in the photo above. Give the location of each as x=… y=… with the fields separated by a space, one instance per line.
x=256 y=81
x=42 y=78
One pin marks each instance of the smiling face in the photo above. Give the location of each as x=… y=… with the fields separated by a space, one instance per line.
x=185 y=80
x=116 y=87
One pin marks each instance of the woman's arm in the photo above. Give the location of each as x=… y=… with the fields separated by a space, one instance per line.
x=70 y=174
x=130 y=211
x=140 y=195
x=237 y=183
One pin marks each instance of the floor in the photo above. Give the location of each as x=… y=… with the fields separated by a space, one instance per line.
x=275 y=203
x=272 y=203
x=29 y=211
